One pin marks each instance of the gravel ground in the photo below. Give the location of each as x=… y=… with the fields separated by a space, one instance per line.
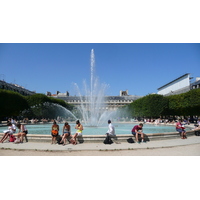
x=188 y=150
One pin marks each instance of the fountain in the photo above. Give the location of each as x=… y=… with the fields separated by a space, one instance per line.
x=92 y=110
x=49 y=109
x=94 y=116
x=93 y=107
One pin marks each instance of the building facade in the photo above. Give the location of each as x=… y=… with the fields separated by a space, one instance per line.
x=16 y=88
x=180 y=85
x=196 y=84
x=110 y=102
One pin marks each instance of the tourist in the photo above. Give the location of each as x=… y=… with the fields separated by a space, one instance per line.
x=79 y=128
x=22 y=132
x=181 y=129
x=66 y=133
x=54 y=132
x=137 y=130
x=9 y=132
x=197 y=125
x=110 y=133
x=111 y=129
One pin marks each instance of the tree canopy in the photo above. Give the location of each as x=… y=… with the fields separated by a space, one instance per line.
x=154 y=105
x=37 y=105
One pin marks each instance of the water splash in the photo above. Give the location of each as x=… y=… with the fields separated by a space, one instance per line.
x=92 y=107
x=49 y=110
x=66 y=111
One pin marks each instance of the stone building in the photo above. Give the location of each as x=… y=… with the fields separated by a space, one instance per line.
x=196 y=84
x=110 y=102
x=180 y=85
x=16 y=88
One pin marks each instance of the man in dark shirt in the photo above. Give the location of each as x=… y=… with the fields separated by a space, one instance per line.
x=138 y=130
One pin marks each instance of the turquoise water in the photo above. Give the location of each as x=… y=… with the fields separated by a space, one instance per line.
x=120 y=128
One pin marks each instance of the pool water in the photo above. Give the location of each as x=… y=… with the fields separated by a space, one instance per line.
x=120 y=128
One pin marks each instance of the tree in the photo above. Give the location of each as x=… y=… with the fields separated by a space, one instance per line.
x=151 y=106
x=41 y=106
x=11 y=103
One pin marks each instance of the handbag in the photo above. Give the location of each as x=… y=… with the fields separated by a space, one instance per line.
x=12 y=138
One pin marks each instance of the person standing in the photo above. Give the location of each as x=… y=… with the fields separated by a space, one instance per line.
x=54 y=132
x=138 y=130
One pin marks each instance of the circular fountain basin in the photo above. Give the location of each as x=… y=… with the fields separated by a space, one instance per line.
x=42 y=132
x=120 y=129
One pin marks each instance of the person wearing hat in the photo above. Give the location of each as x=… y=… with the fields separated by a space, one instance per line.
x=110 y=133
x=111 y=129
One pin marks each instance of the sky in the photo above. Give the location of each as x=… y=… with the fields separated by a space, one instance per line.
x=138 y=45
x=127 y=37
x=140 y=68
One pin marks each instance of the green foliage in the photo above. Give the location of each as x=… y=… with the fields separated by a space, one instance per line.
x=154 y=105
x=37 y=99
x=41 y=106
x=11 y=103
x=185 y=104
x=37 y=105
x=61 y=102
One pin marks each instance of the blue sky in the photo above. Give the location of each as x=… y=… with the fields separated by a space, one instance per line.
x=140 y=68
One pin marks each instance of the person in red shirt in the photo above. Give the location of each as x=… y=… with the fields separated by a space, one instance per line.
x=138 y=130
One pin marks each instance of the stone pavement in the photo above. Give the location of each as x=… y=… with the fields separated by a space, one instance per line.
x=100 y=146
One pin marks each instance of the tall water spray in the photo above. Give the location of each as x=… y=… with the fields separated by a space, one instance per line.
x=92 y=106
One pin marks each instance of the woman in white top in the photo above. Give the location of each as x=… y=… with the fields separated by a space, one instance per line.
x=10 y=131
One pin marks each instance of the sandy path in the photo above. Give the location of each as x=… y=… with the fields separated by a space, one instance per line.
x=189 y=150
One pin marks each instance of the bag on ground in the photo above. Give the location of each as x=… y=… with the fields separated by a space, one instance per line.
x=58 y=139
x=17 y=141
x=108 y=140
x=197 y=133
x=12 y=138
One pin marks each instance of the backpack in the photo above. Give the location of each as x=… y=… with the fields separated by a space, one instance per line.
x=12 y=138
x=197 y=133
x=108 y=140
x=58 y=139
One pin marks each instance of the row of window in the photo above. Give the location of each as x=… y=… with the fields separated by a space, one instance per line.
x=112 y=101
x=195 y=86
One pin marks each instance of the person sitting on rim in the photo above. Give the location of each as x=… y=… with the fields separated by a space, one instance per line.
x=9 y=132
x=111 y=129
x=79 y=128
x=138 y=130
x=22 y=132
x=66 y=133
x=54 y=132
x=181 y=129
